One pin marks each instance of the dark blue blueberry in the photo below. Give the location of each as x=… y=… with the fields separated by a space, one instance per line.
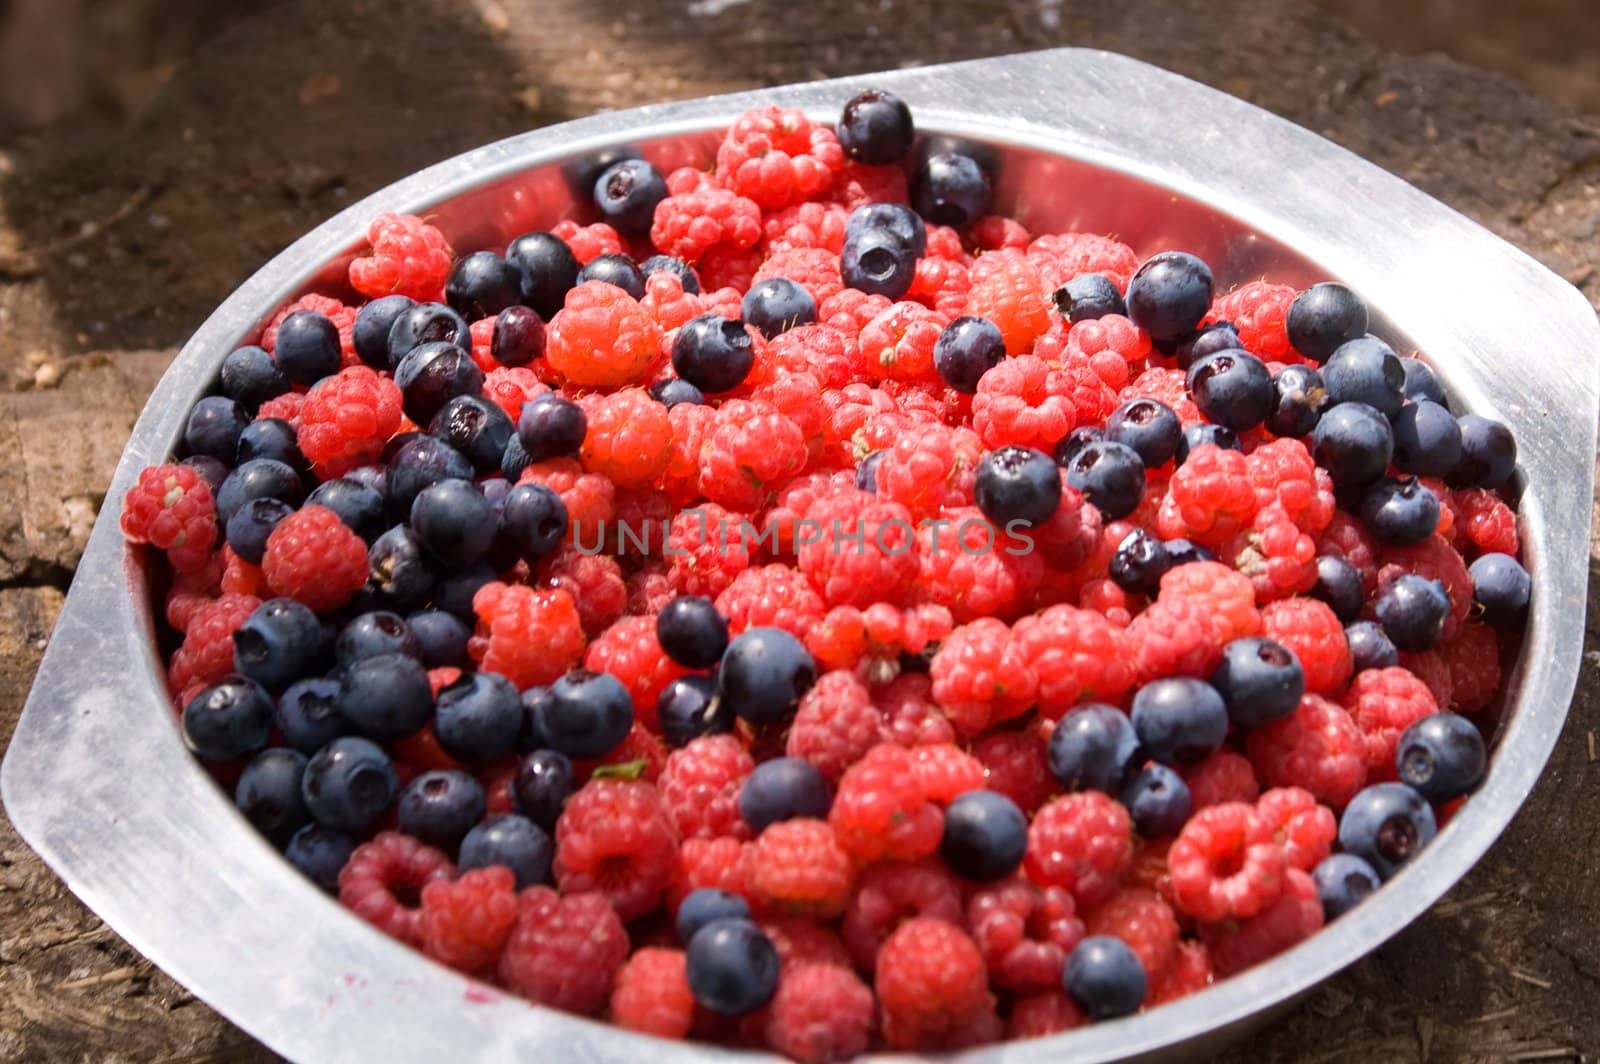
x=617 y=270
x=1412 y=610
x=374 y=322
x=433 y=374
x=251 y=377
x=1075 y=441
x=400 y=572
x=453 y=522
x=1421 y=383
x=270 y=437
x=1110 y=475
x=307 y=348
x=515 y=459
x=1141 y=559
x=1354 y=443
x=712 y=353
x=674 y=390
x=895 y=218
x=1366 y=370
x=1343 y=881
x=535 y=700
x=453 y=591
x=1169 y=294
x=308 y=714
x=688 y=708
x=1259 y=680
x=476 y=427
x=951 y=189
x=512 y=841
x=481 y=285
x=551 y=427
x=358 y=505
x=533 y=520
x=782 y=788
x=1158 y=801
x=373 y=476
x=1206 y=340
x=1183 y=552
x=1370 y=647
x=229 y=719
x=1093 y=748
x=677 y=267
x=349 y=784
x=1501 y=588
x=1104 y=976
x=268 y=793
x=1488 y=454
x=732 y=967
x=278 y=643
x=1298 y=399
x=1427 y=439
x=985 y=836
x=1323 y=318
x=441 y=637
x=867 y=471
x=518 y=336
x=968 y=348
x=374 y=633
x=419 y=462
x=703 y=906
x=764 y=673
x=423 y=324
x=319 y=853
x=1441 y=756
x=1205 y=434
x=549 y=270
x=627 y=193
x=213 y=472
x=439 y=807
x=1179 y=720
x=478 y=717
x=587 y=715
x=386 y=696
x=1150 y=427
x=1088 y=297
x=247 y=530
x=1339 y=585
x=877 y=261
x=1232 y=389
x=542 y=785
x=214 y=427
x=876 y=128
x=1385 y=825
x=1400 y=513
x=692 y=632
x=777 y=305
x=1018 y=484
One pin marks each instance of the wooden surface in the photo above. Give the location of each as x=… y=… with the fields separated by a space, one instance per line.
x=116 y=239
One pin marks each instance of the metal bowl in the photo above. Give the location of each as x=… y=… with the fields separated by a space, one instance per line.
x=99 y=784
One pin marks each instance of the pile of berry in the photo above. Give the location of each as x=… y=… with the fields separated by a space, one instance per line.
x=797 y=607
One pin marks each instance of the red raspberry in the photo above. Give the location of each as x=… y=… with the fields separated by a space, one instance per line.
x=720 y=864
x=614 y=837
x=346 y=420
x=1317 y=747
x=509 y=387
x=946 y=772
x=890 y=894
x=909 y=715
x=689 y=223
x=343 y=318
x=802 y=941
x=630 y=651
x=1448 y=525
x=1168 y=386
x=1077 y=655
x=798 y=397
x=381 y=877
x=1275 y=554
x=465 y=923
x=691 y=428
x=239 y=577
x=821 y=1013
x=1226 y=863
x=778 y=157
x=1488 y=524
x=836 y=724
x=1260 y=311
x=771 y=596
x=982 y=676
x=1209 y=497
x=752 y=446
x=313 y=557
x=929 y=467
x=171 y=508
x=1295 y=916
x=593 y=580
x=725 y=267
x=1310 y=629
x=821 y=350
x=943 y=285
x=1071 y=535
x=1017 y=767
x=857 y=183
x=601 y=338
x=797 y=868
x=848 y=311
x=285 y=407
x=589 y=497
x=1146 y=923
x=528 y=636
x=807 y=225
x=409 y=258
x=1113 y=345
x=1384 y=703
x=794 y=502
x=972 y=568
x=1434 y=559
x=931 y=985
x=706 y=550
x=588 y=242
x=641 y=751
x=859 y=549
x=1045 y=1013
x=481 y=333
x=1283 y=471
x=881 y=811
x=206 y=655
x=1025 y=932
x=1175 y=636
x=1081 y=842
x=191 y=591
x=669 y=305
x=1226 y=593
x=700 y=787
x=1473 y=660
x=629 y=440
x=1225 y=776
x=846 y=637
x=897 y=344
x=1060 y=257
x=643 y=515
x=1023 y=401
x=1429 y=667
x=1303 y=828
x=1189 y=972
x=652 y=994
x=1347 y=538
x=1007 y=290
x=995 y=231
x=816 y=269
x=565 y=951
x=649 y=590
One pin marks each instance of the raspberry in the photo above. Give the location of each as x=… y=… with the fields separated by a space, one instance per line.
x=649 y=590
x=946 y=772
x=1226 y=863
x=807 y=225
x=1291 y=919
x=891 y=893
x=1275 y=554
x=778 y=157
x=728 y=268
x=1318 y=747
x=641 y=751
x=1225 y=776
x=614 y=837
x=1449 y=513
x=821 y=350
x=929 y=467
x=720 y=864
x=1168 y=386
x=643 y=514
x=1017 y=767
x=191 y=591
x=564 y=951
x=995 y=231
x=1077 y=655
x=881 y=811
x=285 y=407
x=802 y=941
x=509 y=387
x=1045 y=1013
x=691 y=427
x=652 y=994
x=1260 y=311
x=171 y=508
x=897 y=344
x=313 y=557
x=771 y=596
x=1023 y=401
x=482 y=335
x=1069 y=538
x=589 y=497
x=835 y=725
x=1025 y=932
x=794 y=502
x=465 y=923
x=1434 y=559
x=857 y=183
x=972 y=569
x=239 y=577
x=1189 y=972
x=1226 y=593
x=588 y=242
x=1473 y=659
x=689 y=223
x=409 y=258
x=630 y=651
x=1175 y=636
x=1113 y=345
x=706 y=550
x=1007 y=290
x=1488 y=524
x=1283 y=471
x=798 y=397
x=1303 y=828
x=848 y=311
x=821 y=1013
x=1146 y=923
x=816 y=269
x=1429 y=667
x=383 y=877
x=528 y=636
x=861 y=549
x=982 y=676
x=601 y=338
x=1310 y=629
x=700 y=787
x=1081 y=842
x=1384 y=703
x=346 y=419
x=593 y=580
x=931 y=985
x=1209 y=497
x=943 y=285
x=1347 y=538
x=797 y=868
x=1060 y=257
x=629 y=440
x=206 y=655
x=751 y=447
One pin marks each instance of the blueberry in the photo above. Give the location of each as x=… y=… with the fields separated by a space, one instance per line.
x=1412 y=610
x=268 y=793
x=1075 y=441
x=1139 y=562
x=677 y=267
x=476 y=427
x=1385 y=825
x=1169 y=294
x=261 y=478
x=951 y=189
x=692 y=632
x=587 y=715
x=319 y=853
x=278 y=643
x=1205 y=434
x=1370 y=647
x=214 y=426
x=896 y=218
x=1206 y=340
x=307 y=348
x=876 y=128
x=423 y=324
x=1183 y=552
x=549 y=270
x=1501 y=588
x=877 y=261
x=478 y=717
x=1259 y=680
x=764 y=673
x=373 y=476
x=616 y=270
x=453 y=522
x=533 y=521
x=513 y=841
x=431 y=375
x=867 y=471
x=359 y=506
x=1179 y=720
x=1354 y=443
x=777 y=305
x=349 y=784
x=1104 y=976
x=515 y=459
x=551 y=427
x=967 y=349
x=386 y=696
x=270 y=437
x=703 y=906
x=732 y=967
x=688 y=708
x=308 y=714
x=985 y=836
x=1421 y=383
x=542 y=785
x=518 y=336
x=1323 y=318
x=210 y=469
x=1088 y=297
x=627 y=193
x=481 y=285
x=1488 y=454
x=1339 y=585
x=1343 y=881
x=1093 y=748
x=247 y=530
x=374 y=633
x=1018 y=484
x=1427 y=439
x=250 y=377
x=439 y=807
x=1298 y=399
x=370 y=335
x=441 y=637
x=1150 y=427
x=782 y=788
x=1158 y=801
x=713 y=353
x=1232 y=389
x=453 y=592
x=401 y=573
x=1110 y=475
x=1441 y=756
x=229 y=719
x=1366 y=370
x=1400 y=513
x=674 y=390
